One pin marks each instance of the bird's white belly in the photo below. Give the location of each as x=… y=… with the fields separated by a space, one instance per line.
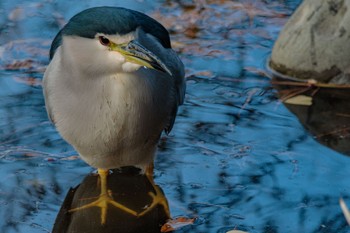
x=112 y=122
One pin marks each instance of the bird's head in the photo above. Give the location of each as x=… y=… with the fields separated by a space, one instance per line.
x=107 y=40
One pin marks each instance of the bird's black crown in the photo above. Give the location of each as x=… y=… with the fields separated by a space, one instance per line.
x=110 y=21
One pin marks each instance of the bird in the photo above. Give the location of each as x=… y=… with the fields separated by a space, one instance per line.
x=112 y=87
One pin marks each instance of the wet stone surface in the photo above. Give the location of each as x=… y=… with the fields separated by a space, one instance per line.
x=237 y=158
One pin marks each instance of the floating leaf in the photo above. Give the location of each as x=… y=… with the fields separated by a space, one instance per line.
x=73 y=157
x=299 y=100
x=18 y=65
x=177 y=223
x=31 y=81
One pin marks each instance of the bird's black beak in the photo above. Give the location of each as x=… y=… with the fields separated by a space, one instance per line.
x=136 y=53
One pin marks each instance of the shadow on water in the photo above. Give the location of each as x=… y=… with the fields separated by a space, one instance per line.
x=236 y=159
x=128 y=188
x=326 y=115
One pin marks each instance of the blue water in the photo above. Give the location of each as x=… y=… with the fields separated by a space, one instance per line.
x=236 y=158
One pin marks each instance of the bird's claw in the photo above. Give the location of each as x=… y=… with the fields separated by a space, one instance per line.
x=157 y=198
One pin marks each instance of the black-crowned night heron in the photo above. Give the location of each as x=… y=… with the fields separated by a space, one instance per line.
x=112 y=86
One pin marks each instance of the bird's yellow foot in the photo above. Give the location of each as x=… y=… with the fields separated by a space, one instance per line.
x=158 y=197
x=104 y=199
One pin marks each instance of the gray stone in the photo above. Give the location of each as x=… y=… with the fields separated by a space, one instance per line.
x=315 y=42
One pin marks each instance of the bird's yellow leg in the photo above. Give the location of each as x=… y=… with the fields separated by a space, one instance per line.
x=158 y=197
x=104 y=199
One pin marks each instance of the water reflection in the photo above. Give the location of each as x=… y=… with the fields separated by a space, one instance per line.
x=326 y=115
x=128 y=188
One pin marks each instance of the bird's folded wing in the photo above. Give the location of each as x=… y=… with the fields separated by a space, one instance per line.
x=169 y=58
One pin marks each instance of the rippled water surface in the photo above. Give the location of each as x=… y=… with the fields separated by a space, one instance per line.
x=236 y=159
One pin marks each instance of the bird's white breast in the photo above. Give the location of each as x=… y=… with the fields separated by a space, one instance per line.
x=113 y=120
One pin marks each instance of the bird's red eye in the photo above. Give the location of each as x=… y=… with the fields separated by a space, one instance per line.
x=104 y=41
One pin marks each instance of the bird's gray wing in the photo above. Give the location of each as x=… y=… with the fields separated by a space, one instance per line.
x=176 y=67
x=173 y=63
